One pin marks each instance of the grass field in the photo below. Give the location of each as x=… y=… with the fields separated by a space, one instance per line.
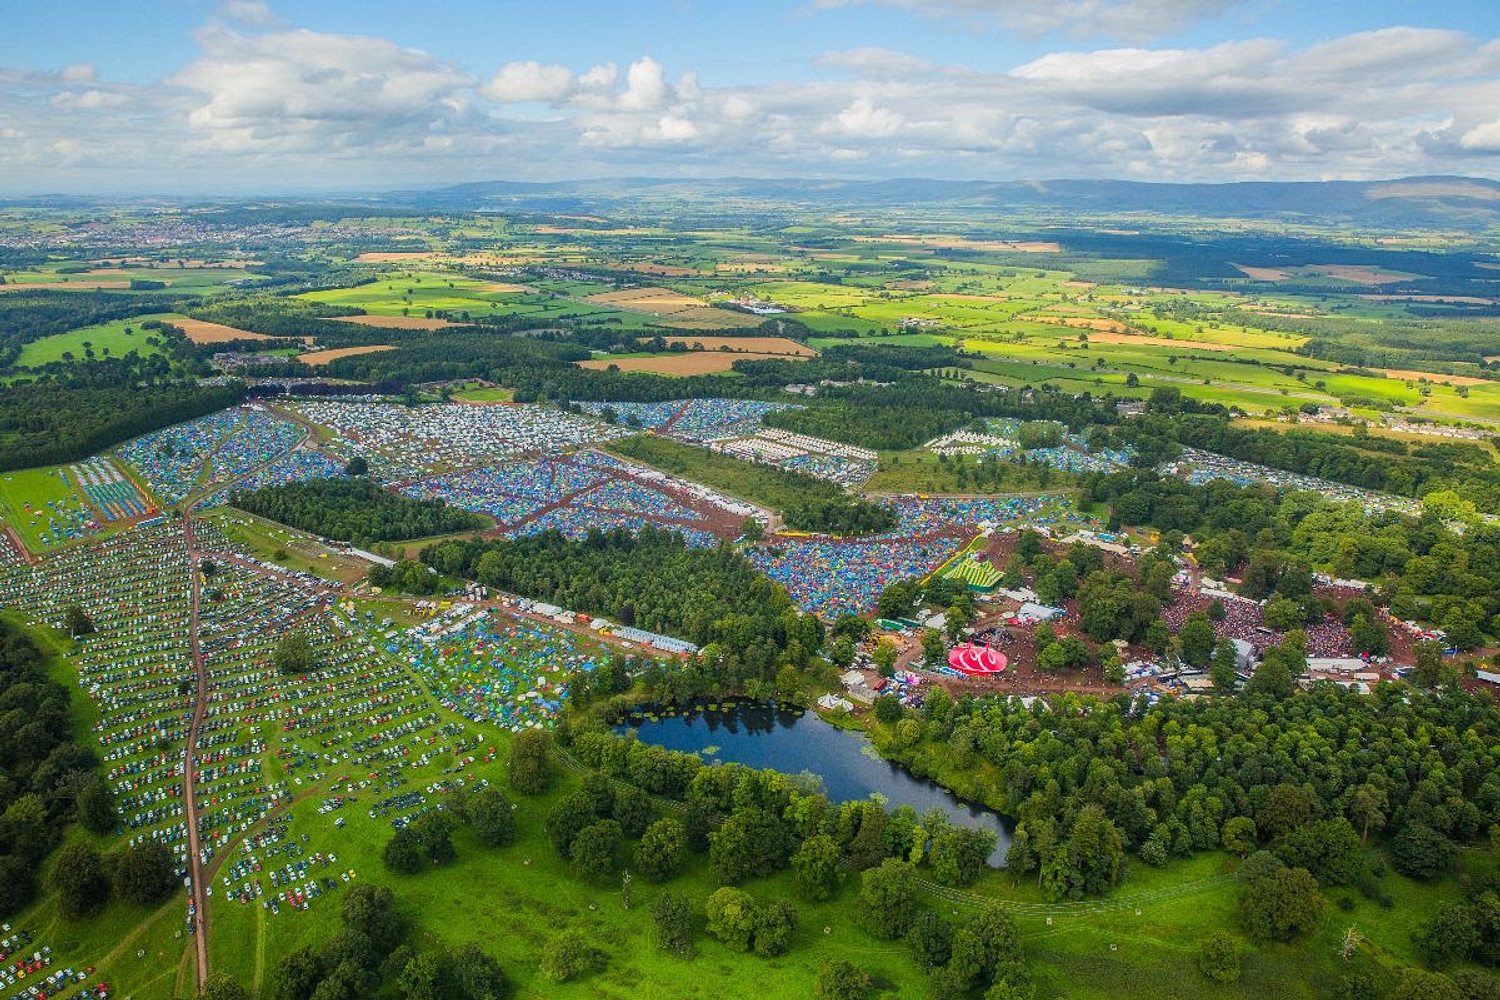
x=30 y=490
x=486 y=396
x=108 y=340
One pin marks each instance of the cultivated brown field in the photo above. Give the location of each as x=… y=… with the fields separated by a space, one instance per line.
x=1471 y=300
x=1357 y=274
x=960 y=243
x=396 y=322
x=393 y=256
x=1262 y=273
x=11 y=286
x=668 y=270
x=693 y=363
x=202 y=332
x=673 y=308
x=653 y=299
x=323 y=357
x=1414 y=376
x=750 y=345
x=1090 y=323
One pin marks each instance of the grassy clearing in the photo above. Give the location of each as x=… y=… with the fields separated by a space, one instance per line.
x=108 y=340
x=287 y=546
x=759 y=484
x=486 y=396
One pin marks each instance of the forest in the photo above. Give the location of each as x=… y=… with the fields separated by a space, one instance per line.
x=1312 y=778
x=355 y=510
x=918 y=408
x=1423 y=568
x=48 y=423
x=30 y=315
x=712 y=597
x=46 y=778
x=1372 y=463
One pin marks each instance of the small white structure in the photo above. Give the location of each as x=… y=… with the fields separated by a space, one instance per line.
x=833 y=703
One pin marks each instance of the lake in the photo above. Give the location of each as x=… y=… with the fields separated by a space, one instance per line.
x=792 y=741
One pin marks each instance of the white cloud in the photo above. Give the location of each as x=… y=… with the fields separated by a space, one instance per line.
x=862 y=119
x=671 y=128
x=1127 y=20
x=645 y=85
x=875 y=62
x=308 y=89
x=519 y=82
x=251 y=12
x=601 y=77
x=87 y=99
x=270 y=104
x=1483 y=138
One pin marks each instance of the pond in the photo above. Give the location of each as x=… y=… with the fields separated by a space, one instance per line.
x=792 y=741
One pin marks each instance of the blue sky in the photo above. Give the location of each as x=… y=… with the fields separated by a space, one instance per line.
x=179 y=95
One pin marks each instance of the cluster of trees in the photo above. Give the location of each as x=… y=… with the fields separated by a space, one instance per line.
x=1467 y=930
x=62 y=421
x=754 y=823
x=917 y=408
x=46 y=778
x=408 y=576
x=746 y=624
x=139 y=874
x=426 y=841
x=355 y=510
x=806 y=502
x=371 y=953
x=1439 y=567
x=1310 y=777
x=1373 y=463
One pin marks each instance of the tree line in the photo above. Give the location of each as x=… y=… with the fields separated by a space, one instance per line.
x=46 y=777
x=44 y=424
x=355 y=510
x=714 y=598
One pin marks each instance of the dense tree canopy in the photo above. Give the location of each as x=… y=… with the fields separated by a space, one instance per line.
x=355 y=510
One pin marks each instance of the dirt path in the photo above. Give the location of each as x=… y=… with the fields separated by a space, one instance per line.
x=199 y=920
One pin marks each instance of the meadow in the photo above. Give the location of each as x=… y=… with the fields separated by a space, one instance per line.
x=114 y=339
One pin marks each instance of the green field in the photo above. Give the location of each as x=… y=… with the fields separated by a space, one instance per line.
x=107 y=339
x=486 y=396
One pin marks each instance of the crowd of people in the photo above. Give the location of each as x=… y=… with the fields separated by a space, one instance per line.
x=133 y=589
x=172 y=459
x=929 y=515
x=847 y=465
x=641 y=416
x=577 y=522
x=573 y=494
x=297 y=466
x=1245 y=619
x=219 y=448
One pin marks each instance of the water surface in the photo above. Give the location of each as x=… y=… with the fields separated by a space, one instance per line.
x=792 y=741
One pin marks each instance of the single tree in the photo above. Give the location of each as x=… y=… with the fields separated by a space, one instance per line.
x=529 y=764
x=672 y=923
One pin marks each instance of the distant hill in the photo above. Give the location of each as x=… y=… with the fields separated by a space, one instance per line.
x=1430 y=202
